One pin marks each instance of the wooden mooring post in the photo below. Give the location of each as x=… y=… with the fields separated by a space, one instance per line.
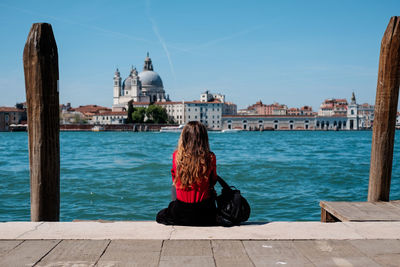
x=387 y=95
x=42 y=97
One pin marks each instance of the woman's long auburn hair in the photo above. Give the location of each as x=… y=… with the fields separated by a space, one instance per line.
x=193 y=158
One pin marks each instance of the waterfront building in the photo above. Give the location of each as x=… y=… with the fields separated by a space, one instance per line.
x=262 y=109
x=268 y=122
x=208 y=113
x=305 y=110
x=333 y=107
x=145 y=86
x=110 y=117
x=336 y=110
x=228 y=108
x=245 y=111
x=11 y=116
x=81 y=114
x=337 y=122
x=208 y=110
x=352 y=114
x=366 y=115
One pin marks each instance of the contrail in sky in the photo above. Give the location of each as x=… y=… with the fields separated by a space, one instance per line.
x=221 y=39
x=157 y=33
x=79 y=24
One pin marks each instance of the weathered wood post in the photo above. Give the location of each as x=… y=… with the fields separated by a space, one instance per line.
x=41 y=84
x=387 y=94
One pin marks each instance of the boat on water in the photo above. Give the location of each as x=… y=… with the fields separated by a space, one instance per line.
x=231 y=130
x=172 y=129
x=98 y=128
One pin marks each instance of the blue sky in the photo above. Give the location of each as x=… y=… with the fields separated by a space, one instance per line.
x=292 y=52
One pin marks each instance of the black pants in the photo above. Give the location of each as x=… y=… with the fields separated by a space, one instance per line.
x=192 y=214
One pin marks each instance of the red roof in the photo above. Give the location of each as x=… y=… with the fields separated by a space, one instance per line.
x=112 y=113
x=90 y=109
x=267 y=116
x=10 y=109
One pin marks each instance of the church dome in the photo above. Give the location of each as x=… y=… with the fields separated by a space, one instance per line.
x=127 y=83
x=150 y=79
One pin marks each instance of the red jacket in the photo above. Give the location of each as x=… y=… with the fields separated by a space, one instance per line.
x=196 y=192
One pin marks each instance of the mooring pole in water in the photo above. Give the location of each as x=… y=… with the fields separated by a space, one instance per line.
x=387 y=95
x=41 y=85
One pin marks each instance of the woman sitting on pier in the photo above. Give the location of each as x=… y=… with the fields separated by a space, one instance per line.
x=194 y=174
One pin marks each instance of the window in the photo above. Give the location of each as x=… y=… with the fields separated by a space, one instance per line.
x=189 y=116
x=195 y=117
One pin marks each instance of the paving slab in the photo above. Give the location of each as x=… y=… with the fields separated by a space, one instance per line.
x=8 y=245
x=385 y=252
x=186 y=253
x=132 y=253
x=28 y=253
x=230 y=253
x=13 y=230
x=273 y=253
x=333 y=253
x=75 y=253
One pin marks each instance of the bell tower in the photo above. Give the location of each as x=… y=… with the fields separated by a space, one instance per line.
x=117 y=87
x=147 y=63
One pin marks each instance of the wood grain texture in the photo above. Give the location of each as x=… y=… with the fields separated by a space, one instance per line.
x=387 y=94
x=41 y=84
x=362 y=211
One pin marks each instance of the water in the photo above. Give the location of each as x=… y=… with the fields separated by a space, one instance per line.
x=126 y=175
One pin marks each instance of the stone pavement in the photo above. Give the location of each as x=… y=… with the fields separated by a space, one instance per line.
x=151 y=244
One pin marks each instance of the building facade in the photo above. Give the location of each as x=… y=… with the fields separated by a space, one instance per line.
x=145 y=86
x=268 y=122
x=110 y=117
x=11 y=116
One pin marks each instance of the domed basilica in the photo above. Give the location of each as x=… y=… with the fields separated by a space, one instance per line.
x=145 y=86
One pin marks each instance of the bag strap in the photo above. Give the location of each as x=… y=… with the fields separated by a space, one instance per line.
x=223 y=183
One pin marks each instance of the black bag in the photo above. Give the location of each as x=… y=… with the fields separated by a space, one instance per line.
x=232 y=207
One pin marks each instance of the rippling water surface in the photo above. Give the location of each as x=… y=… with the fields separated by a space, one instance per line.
x=126 y=175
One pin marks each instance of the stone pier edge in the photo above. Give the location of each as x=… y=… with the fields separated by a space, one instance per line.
x=147 y=230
